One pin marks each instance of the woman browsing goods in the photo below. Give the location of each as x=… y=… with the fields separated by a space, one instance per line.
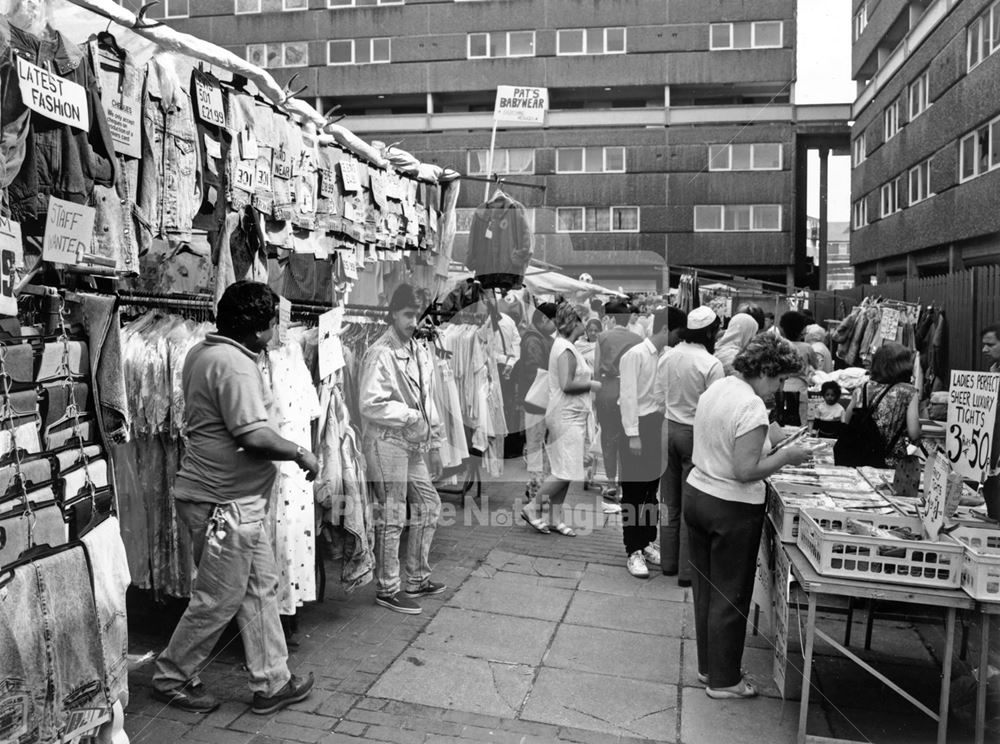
x=724 y=505
x=566 y=417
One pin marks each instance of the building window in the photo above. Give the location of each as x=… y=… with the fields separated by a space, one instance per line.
x=176 y=8
x=360 y=3
x=889 y=198
x=283 y=54
x=983 y=36
x=597 y=219
x=246 y=6
x=859 y=150
x=920 y=182
x=505 y=161
x=359 y=51
x=919 y=93
x=570 y=41
x=979 y=151
x=761 y=156
x=861 y=20
x=501 y=44
x=890 y=120
x=860 y=212
x=590 y=160
x=748 y=35
x=295 y=4
x=737 y=217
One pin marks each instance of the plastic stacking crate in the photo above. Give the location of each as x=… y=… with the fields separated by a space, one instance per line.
x=833 y=552
x=784 y=518
x=981 y=567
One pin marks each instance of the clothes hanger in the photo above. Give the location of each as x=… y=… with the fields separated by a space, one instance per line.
x=107 y=40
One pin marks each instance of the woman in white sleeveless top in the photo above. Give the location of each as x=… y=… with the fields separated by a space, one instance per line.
x=566 y=417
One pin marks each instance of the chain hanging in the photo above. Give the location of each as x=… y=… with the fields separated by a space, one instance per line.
x=7 y=419
x=72 y=409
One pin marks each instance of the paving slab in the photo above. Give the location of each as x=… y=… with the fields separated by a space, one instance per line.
x=504 y=638
x=503 y=560
x=639 y=614
x=708 y=721
x=514 y=594
x=616 y=653
x=616 y=580
x=451 y=681
x=604 y=704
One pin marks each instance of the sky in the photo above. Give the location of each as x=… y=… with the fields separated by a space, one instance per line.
x=824 y=76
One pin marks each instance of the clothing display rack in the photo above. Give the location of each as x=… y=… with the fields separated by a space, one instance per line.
x=497 y=179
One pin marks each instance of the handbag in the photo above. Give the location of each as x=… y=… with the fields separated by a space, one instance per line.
x=536 y=400
x=860 y=442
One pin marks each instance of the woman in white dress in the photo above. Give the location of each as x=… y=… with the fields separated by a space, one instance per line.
x=566 y=416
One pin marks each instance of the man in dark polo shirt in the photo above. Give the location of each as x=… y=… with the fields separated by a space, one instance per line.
x=222 y=492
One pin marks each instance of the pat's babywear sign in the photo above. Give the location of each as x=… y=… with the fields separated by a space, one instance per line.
x=521 y=104
x=52 y=96
x=972 y=413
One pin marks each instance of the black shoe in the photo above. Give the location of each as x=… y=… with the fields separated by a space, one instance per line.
x=427 y=589
x=295 y=691
x=192 y=698
x=683 y=583
x=398 y=603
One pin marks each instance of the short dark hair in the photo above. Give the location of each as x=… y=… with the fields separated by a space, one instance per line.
x=619 y=310
x=704 y=336
x=754 y=311
x=892 y=363
x=792 y=324
x=769 y=315
x=994 y=329
x=676 y=318
x=245 y=308
x=767 y=356
x=830 y=385
x=404 y=296
x=596 y=305
x=544 y=310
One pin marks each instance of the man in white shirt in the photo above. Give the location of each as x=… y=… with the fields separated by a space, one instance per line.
x=642 y=419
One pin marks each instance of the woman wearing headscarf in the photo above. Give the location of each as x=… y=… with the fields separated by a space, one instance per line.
x=815 y=336
x=742 y=328
x=570 y=386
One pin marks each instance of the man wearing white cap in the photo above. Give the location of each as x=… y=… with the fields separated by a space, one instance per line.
x=682 y=376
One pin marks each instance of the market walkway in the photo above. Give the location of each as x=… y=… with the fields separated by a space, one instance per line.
x=540 y=638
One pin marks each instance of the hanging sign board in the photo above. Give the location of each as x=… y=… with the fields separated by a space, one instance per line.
x=122 y=106
x=972 y=413
x=208 y=96
x=514 y=103
x=69 y=228
x=52 y=96
x=11 y=256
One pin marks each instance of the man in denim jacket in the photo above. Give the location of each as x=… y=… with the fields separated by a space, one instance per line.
x=402 y=435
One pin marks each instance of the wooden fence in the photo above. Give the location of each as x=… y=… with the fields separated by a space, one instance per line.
x=970 y=300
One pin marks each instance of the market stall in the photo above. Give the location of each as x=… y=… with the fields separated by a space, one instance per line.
x=847 y=538
x=182 y=169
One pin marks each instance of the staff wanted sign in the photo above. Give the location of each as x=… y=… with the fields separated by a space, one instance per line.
x=521 y=104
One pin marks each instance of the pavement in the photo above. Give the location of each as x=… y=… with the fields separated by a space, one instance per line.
x=539 y=638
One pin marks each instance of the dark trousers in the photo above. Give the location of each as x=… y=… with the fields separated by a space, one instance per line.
x=640 y=512
x=677 y=466
x=609 y=416
x=725 y=538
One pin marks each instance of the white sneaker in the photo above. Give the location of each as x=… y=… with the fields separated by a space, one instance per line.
x=652 y=554
x=637 y=565
x=611 y=508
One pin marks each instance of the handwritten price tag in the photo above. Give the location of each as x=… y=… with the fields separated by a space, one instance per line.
x=10 y=257
x=972 y=413
x=69 y=228
x=208 y=96
x=349 y=175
